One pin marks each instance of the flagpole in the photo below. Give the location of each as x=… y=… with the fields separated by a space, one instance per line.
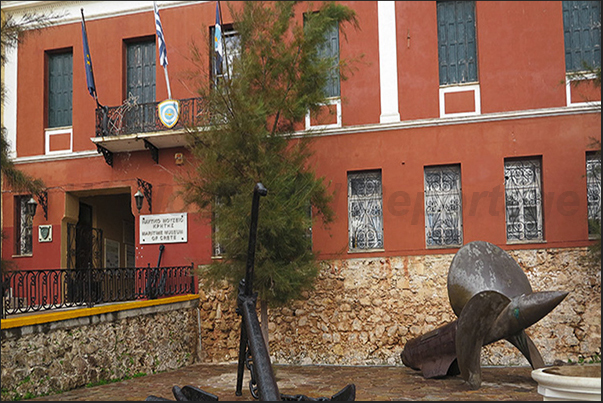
x=162 y=48
x=167 y=81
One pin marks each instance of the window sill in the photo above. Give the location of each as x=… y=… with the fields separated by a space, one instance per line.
x=58 y=128
x=467 y=84
x=24 y=255
x=366 y=250
x=525 y=242
x=443 y=247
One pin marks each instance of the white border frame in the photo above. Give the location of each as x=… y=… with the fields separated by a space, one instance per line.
x=54 y=131
x=577 y=76
x=331 y=101
x=40 y=238
x=460 y=88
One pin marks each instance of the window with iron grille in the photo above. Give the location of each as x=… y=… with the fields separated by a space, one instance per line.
x=582 y=35
x=443 y=206
x=365 y=210
x=523 y=200
x=23 y=227
x=457 y=48
x=60 y=89
x=593 y=192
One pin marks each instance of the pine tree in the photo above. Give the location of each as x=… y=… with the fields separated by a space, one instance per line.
x=248 y=135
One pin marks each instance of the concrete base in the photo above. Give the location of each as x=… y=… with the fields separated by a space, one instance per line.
x=574 y=382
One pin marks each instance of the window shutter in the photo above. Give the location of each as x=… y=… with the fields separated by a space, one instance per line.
x=582 y=34
x=331 y=50
x=60 y=83
x=140 y=83
x=141 y=71
x=456 y=41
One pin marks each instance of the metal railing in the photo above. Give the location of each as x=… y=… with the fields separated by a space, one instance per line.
x=132 y=117
x=26 y=291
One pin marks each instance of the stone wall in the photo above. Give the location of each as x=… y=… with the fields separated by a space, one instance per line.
x=48 y=358
x=363 y=311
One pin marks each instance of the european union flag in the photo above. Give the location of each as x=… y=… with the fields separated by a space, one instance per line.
x=88 y=60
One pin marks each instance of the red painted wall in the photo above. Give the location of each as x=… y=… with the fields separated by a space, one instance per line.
x=417 y=38
x=520 y=67
x=481 y=150
x=521 y=55
x=93 y=174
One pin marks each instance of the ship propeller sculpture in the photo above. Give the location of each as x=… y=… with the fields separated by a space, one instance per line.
x=493 y=300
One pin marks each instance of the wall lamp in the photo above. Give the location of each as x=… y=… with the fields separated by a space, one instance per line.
x=146 y=193
x=32 y=205
x=139 y=197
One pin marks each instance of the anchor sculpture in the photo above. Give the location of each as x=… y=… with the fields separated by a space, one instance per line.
x=253 y=353
x=493 y=300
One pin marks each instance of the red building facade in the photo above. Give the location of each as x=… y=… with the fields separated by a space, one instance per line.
x=431 y=147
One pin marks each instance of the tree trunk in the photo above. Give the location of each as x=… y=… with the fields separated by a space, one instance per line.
x=264 y=323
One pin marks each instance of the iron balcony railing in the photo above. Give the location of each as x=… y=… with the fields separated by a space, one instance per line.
x=132 y=117
x=26 y=291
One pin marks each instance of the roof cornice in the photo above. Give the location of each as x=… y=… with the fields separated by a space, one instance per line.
x=69 y=11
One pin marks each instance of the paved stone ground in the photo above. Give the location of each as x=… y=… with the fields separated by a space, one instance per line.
x=373 y=383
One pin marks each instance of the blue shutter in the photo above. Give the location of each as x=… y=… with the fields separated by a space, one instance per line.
x=331 y=50
x=140 y=71
x=60 y=84
x=140 y=83
x=582 y=34
x=457 y=48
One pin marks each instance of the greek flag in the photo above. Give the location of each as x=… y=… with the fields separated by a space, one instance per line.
x=218 y=41
x=160 y=39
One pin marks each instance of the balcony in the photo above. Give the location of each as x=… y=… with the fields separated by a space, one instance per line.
x=135 y=127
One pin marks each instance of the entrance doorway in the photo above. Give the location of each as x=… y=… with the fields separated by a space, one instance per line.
x=101 y=239
x=86 y=247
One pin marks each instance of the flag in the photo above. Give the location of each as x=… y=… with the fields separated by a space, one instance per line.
x=88 y=60
x=160 y=39
x=219 y=51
